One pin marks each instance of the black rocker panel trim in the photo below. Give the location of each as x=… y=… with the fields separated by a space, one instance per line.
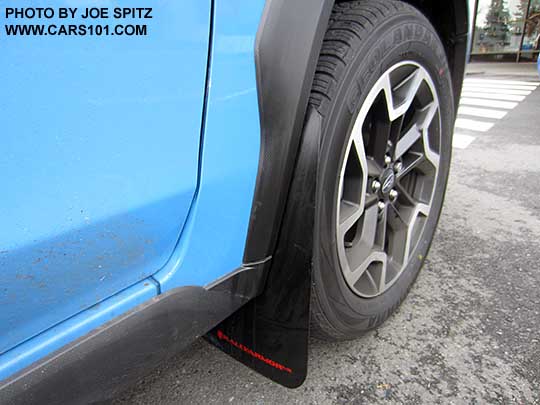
x=288 y=43
x=100 y=365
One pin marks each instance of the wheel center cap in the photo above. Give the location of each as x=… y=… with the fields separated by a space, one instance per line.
x=388 y=180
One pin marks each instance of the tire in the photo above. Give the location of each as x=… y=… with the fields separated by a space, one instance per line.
x=365 y=40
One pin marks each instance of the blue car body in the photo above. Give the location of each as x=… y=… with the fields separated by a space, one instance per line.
x=134 y=167
x=113 y=192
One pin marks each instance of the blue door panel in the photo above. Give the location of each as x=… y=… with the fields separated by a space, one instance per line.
x=214 y=237
x=98 y=162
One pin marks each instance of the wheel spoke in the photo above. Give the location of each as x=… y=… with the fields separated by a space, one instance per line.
x=372 y=281
x=382 y=274
x=401 y=218
x=380 y=134
x=418 y=211
x=412 y=162
x=410 y=214
x=409 y=217
x=425 y=115
x=371 y=200
x=403 y=95
x=374 y=169
x=424 y=119
x=432 y=156
x=405 y=196
x=349 y=214
x=356 y=274
x=395 y=131
x=407 y=141
x=369 y=227
x=359 y=149
x=380 y=239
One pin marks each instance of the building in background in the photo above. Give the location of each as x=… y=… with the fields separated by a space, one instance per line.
x=506 y=30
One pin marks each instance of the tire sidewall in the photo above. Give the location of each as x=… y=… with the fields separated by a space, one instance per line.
x=401 y=38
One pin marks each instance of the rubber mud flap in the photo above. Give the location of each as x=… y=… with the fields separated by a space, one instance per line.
x=270 y=334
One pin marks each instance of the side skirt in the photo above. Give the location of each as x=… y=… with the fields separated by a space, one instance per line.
x=102 y=364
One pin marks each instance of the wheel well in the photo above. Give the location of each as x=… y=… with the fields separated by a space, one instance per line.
x=284 y=90
x=451 y=20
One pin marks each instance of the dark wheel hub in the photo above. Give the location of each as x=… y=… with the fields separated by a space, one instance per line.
x=387 y=180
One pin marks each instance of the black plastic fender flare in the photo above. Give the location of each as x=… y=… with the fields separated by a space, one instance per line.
x=287 y=48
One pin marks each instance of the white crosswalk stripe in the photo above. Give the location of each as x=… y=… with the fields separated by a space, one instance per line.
x=461 y=141
x=487 y=103
x=492 y=96
x=497 y=81
x=483 y=102
x=497 y=91
x=500 y=86
x=473 y=125
x=481 y=112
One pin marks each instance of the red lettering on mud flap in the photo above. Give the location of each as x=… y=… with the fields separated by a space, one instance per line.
x=258 y=356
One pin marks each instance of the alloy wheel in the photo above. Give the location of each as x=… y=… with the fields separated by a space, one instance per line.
x=387 y=179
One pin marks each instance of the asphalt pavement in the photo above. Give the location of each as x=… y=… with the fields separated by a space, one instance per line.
x=469 y=331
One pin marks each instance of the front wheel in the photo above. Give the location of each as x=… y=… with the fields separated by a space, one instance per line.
x=384 y=92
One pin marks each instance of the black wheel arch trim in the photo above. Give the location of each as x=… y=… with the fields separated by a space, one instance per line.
x=286 y=54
